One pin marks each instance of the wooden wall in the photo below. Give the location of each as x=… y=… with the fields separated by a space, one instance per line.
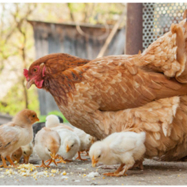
x=65 y=38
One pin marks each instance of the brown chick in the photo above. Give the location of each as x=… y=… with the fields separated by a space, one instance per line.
x=16 y=133
x=16 y=156
x=47 y=143
x=27 y=151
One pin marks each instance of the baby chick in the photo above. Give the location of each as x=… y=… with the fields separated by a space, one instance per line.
x=16 y=134
x=53 y=121
x=85 y=141
x=124 y=147
x=70 y=144
x=16 y=155
x=47 y=143
x=27 y=151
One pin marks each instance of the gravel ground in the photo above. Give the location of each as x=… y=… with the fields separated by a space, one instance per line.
x=76 y=173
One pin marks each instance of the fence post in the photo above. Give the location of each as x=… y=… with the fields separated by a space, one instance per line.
x=134 y=28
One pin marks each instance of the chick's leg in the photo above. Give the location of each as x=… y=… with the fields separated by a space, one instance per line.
x=123 y=172
x=43 y=164
x=11 y=162
x=4 y=163
x=79 y=157
x=68 y=160
x=116 y=172
x=61 y=160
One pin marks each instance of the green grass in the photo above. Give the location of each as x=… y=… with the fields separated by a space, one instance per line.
x=43 y=117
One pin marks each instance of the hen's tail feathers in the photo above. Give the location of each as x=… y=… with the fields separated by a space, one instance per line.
x=168 y=54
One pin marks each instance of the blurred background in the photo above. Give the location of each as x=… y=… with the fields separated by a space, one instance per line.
x=29 y=31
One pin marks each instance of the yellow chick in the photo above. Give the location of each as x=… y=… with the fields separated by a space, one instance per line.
x=125 y=148
x=53 y=121
x=16 y=155
x=47 y=143
x=27 y=150
x=16 y=133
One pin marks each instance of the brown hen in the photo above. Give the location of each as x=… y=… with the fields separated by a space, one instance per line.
x=143 y=92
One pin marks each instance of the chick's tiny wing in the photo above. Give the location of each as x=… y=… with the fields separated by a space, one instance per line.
x=123 y=144
x=9 y=136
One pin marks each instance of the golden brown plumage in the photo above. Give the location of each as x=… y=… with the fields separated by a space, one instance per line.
x=143 y=92
x=16 y=133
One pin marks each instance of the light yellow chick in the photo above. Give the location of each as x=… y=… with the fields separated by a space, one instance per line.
x=27 y=150
x=123 y=148
x=47 y=143
x=85 y=141
x=53 y=121
x=15 y=134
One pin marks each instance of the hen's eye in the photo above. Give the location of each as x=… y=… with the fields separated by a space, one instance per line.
x=49 y=150
x=99 y=156
x=35 y=69
x=72 y=145
x=24 y=152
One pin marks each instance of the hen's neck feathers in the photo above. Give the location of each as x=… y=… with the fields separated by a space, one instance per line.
x=60 y=78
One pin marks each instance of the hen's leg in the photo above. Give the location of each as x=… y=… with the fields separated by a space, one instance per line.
x=4 y=162
x=79 y=157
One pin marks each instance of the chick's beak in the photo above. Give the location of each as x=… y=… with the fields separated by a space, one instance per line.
x=29 y=83
x=67 y=148
x=94 y=162
x=26 y=159
x=37 y=119
x=53 y=157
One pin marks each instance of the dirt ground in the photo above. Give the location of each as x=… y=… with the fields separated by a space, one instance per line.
x=76 y=173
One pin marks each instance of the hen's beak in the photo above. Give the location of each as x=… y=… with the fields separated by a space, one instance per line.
x=94 y=162
x=67 y=148
x=29 y=83
x=26 y=159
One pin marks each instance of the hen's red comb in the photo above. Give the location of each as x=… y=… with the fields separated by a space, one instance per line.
x=26 y=73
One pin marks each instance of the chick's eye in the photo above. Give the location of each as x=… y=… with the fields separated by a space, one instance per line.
x=99 y=156
x=33 y=116
x=24 y=152
x=72 y=145
x=49 y=150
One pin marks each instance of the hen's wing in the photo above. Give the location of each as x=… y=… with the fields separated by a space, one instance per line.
x=117 y=83
x=164 y=121
x=129 y=81
x=9 y=136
